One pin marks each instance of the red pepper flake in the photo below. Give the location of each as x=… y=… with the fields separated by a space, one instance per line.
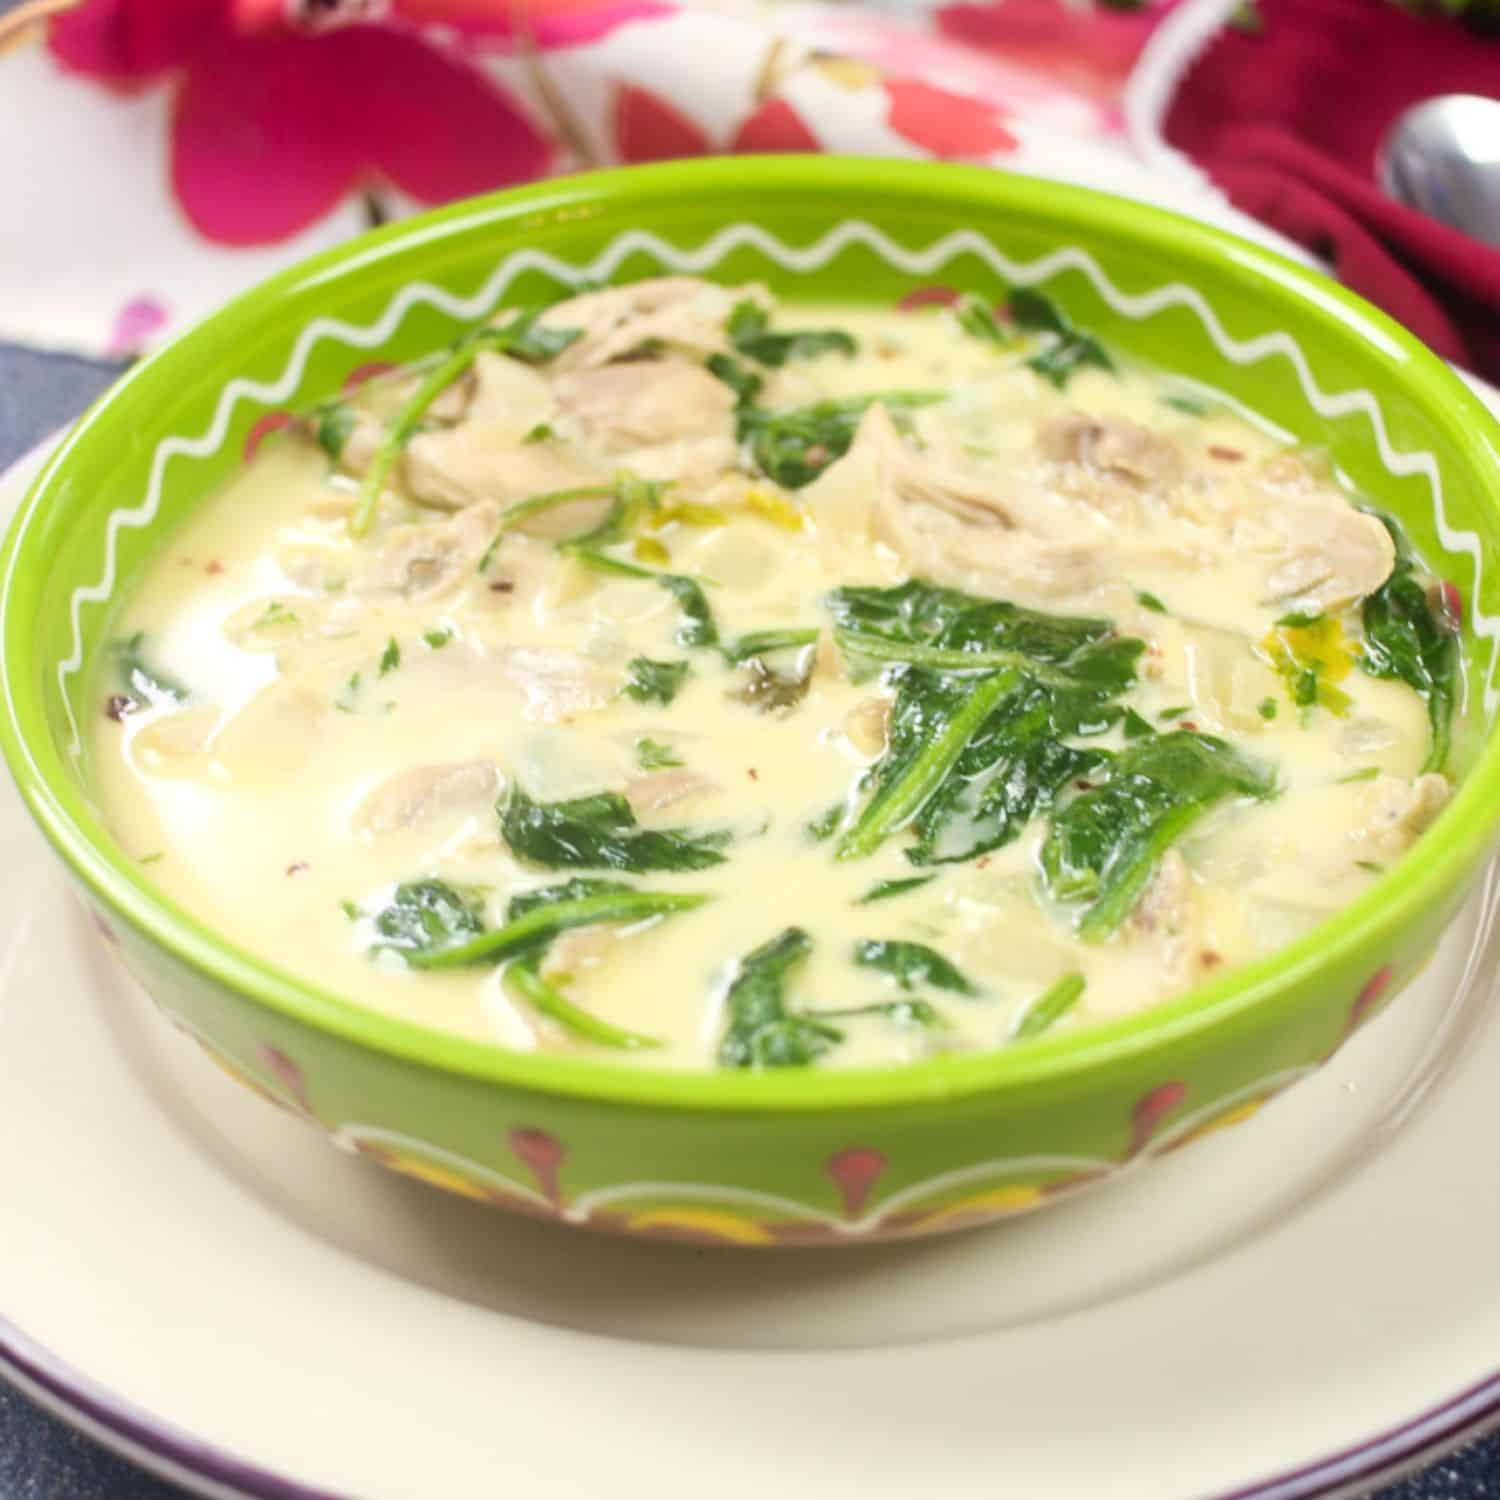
x=752 y=773
x=119 y=706
x=1225 y=455
x=214 y=567
x=928 y=296
x=297 y=868
x=981 y=862
x=1209 y=959
x=1083 y=786
x=503 y=586
x=1446 y=600
x=1186 y=724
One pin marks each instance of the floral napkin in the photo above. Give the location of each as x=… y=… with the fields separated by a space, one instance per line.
x=176 y=151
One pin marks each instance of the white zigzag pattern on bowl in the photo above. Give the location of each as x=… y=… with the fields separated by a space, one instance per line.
x=808 y=258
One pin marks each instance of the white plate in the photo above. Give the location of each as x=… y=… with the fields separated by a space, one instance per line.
x=203 y=1283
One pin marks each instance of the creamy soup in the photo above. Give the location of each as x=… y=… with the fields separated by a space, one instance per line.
x=685 y=678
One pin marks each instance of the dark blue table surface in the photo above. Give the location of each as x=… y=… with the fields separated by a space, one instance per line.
x=40 y=1458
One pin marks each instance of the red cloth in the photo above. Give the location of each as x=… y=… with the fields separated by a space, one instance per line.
x=1287 y=121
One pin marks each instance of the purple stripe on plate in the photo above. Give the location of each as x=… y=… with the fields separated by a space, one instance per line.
x=121 y=1424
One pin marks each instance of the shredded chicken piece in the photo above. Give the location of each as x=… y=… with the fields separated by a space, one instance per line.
x=662 y=419
x=868 y=725
x=1331 y=555
x=1170 y=915
x=1394 y=812
x=913 y=481
x=678 y=312
x=1112 y=446
x=556 y=684
x=411 y=798
x=426 y=560
x=661 y=789
x=485 y=456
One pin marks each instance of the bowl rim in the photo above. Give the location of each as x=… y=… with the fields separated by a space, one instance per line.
x=1446 y=853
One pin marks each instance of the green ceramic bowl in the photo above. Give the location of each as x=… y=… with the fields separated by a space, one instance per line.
x=800 y=1156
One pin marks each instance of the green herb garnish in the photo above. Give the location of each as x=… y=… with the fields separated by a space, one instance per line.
x=333 y=421
x=390 y=658
x=1149 y=601
x=1067 y=350
x=1049 y=1007
x=654 y=681
x=750 y=334
x=977 y=318
x=145 y=685
x=652 y=755
x=883 y=890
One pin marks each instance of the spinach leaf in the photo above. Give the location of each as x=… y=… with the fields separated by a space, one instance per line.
x=652 y=755
x=745 y=384
x=654 y=681
x=579 y=888
x=600 y=832
x=697 y=628
x=986 y=693
x=425 y=917
x=912 y=965
x=1049 y=1007
x=333 y=421
x=523 y=977
x=145 y=685
x=1409 y=641
x=1067 y=350
x=760 y=642
x=521 y=338
x=977 y=318
x=901 y=1012
x=793 y=447
x=771 y=691
x=534 y=918
x=632 y=498
x=762 y=1032
x=964 y=628
x=1105 y=842
x=883 y=890
x=749 y=332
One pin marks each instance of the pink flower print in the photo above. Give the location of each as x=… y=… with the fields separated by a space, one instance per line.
x=271 y=129
x=135 y=325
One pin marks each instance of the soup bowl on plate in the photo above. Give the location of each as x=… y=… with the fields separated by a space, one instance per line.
x=790 y=1156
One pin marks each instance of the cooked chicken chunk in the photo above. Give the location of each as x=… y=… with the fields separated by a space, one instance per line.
x=426 y=560
x=412 y=798
x=675 y=312
x=648 y=794
x=485 y=456
x=1169 y=915
x=1394 y=812
x=1114 y=447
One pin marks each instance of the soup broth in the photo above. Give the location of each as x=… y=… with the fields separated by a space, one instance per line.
x=684 y=678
